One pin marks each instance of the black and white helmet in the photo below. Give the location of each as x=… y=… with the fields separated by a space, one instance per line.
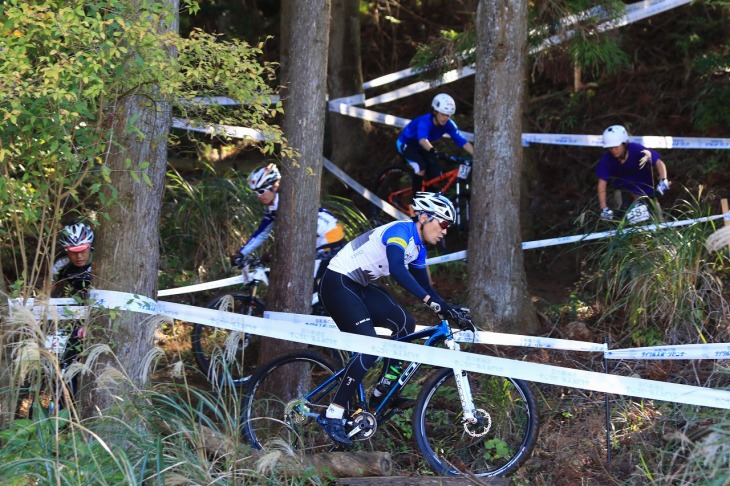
x=264 y=177
x=76 y=237
x=435 y=204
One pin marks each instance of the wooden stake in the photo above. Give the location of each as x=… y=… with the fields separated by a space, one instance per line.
x=725 y=209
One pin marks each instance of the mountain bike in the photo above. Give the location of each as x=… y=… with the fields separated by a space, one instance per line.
x=208 y=341
x=395 y=185
x=463 y=422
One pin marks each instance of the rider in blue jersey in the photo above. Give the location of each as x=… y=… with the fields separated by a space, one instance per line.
x=415 y=141
x=264 y=181
x=628 y=167
x=357 y=305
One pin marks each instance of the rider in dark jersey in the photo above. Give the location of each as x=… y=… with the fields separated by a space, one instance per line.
x=72 y=277
x=357 y=306
x=415 y=141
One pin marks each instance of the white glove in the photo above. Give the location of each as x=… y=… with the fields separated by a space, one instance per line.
x=646 y=158
x=606 y=214
x=663 y=186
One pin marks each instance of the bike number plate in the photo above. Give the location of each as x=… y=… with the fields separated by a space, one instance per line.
x=57 y=342
x=464 y=171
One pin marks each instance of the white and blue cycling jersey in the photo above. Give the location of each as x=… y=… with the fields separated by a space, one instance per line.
x=365 y=258
x=329 y=230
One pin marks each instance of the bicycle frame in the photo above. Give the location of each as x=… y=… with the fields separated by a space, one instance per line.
x=433 y=335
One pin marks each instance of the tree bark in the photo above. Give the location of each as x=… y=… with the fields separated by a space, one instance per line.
x=304 y=114
x=347 y=134
x=497 y=283
x=127 y=250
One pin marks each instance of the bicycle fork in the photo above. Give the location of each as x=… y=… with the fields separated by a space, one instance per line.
x=479 y=420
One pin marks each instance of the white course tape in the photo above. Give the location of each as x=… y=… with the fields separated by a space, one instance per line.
x=360 y=189
x=222 y=130
x=553 y=375
x=52 y=309
x=482 y=337
x=202 y=286
x=681 y=351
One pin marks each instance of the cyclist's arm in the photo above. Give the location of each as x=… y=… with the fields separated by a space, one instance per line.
x=260 y=235
x=414 y=279
x=469 y=148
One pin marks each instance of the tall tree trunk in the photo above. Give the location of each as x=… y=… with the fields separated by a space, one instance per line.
x=127 y=244
x=497 y=283
x=347 y=134
x=304 y=114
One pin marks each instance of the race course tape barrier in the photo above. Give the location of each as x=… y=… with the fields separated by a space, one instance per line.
x=323 y=336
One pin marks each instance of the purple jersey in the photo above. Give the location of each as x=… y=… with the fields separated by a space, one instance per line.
x=630 y=176
x=424 y=127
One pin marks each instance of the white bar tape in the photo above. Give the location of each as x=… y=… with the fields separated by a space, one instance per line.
x=650 y=141
x=202 y=286
x=52 y=309
x=554 y=375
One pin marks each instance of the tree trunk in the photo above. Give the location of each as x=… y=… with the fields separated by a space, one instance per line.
x=497 y=283
x=127 y=243
x=304 y=114
x=347 y=134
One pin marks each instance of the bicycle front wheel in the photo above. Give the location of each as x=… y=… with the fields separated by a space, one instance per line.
x=209 y=343
x=497 y=445
x=284 y=397
x=395 y=186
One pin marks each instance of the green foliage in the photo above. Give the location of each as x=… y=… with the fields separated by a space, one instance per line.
x=663 y=281
x=67 y=68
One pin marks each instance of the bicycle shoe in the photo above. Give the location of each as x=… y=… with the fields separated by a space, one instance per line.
x=335 y=429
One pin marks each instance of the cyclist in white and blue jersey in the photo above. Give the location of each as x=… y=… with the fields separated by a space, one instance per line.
x=357 y=306
x=264 y=181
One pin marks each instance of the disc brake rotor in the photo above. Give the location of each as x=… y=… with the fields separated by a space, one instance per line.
x=481 y=426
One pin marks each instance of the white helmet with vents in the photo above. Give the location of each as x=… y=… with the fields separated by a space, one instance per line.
x=435 y=204
x=444 y=104
x=264 y=177
x=614 y=136
x=76 y=237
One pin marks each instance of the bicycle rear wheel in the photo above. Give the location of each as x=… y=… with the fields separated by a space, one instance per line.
x=501 y=441
x=395 y=186
x=209 y=343
x=281 y=398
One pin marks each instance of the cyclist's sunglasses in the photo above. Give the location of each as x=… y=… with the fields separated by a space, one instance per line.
x=262 y=190
x=444 y=224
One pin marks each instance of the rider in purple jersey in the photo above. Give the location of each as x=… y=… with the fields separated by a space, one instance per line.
x=628 y=167
x=415 y=141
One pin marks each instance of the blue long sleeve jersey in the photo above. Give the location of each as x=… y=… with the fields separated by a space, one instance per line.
x=329 y=230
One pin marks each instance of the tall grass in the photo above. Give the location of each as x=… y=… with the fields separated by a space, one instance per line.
x=663 y=283
x=169 y=433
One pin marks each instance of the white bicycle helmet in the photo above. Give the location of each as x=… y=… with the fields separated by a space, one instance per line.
x=76 y=237
x=435 y=204
x=614 y=136
x=444 y=104
x=264 y=177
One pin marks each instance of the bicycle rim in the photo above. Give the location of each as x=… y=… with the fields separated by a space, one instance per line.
x=508 y=441
x=394 y=186
x=224 y=347
x=276 y=401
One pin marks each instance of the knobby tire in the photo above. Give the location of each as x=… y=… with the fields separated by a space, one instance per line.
x=450 y=450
